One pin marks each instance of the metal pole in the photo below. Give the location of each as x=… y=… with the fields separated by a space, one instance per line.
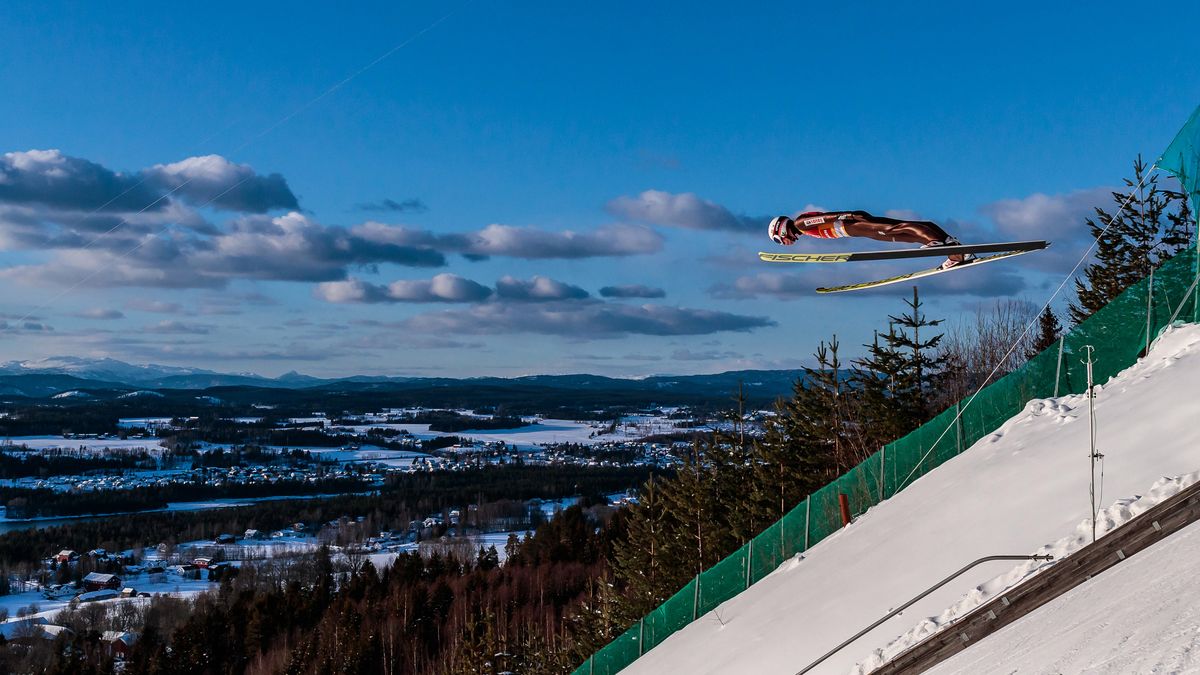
x=696 y=598
x=1149 y=307
x=1058 y=369
x=807 y=511
x=749 y=561
x=958 y=431
x=1092 y=455
x=641 y=636
x=882 y=470
x=910 y=603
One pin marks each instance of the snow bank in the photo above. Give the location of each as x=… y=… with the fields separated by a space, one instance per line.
x=1010 y=493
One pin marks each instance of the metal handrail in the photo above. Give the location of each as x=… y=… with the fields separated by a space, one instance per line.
x=910 y=603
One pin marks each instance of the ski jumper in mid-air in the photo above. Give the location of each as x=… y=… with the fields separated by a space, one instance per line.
x=835 y=224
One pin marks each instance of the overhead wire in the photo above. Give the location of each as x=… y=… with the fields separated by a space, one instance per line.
x=1029 y=326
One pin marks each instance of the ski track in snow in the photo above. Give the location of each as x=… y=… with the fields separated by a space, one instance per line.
x=1012 y=492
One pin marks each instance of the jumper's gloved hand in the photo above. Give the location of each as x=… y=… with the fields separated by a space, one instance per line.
x=783 y=230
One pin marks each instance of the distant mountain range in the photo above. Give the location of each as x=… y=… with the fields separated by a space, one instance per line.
x=69 y=378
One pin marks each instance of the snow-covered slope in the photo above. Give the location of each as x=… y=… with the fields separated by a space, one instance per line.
x=1013 y=492
x=1142 y=616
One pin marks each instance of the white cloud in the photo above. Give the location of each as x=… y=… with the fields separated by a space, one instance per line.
x=686 y=210
x=537 y=289
x=441 y=288
x=1041 y=216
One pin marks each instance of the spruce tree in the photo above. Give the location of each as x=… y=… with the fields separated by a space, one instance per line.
x=877 y=377
x=818 y=413
x=921 y=366
x=1130 y=242
x=795 y=456
x=1180 y=230
x=894 y=382
x=691 y=511
x=638 y=555
x=1049 y=330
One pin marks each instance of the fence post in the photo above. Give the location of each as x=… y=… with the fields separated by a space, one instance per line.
x=641 y=636
x=1149 y=307
x=807 y=511
x=782 y=546
x=696 y=598
x=750 y=560
x=882 y=470
x=958 y=427
x=1058 y=369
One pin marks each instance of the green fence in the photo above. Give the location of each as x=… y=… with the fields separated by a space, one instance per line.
x=1119 y=332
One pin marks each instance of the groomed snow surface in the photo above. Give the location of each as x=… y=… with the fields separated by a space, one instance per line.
x=1021 y=490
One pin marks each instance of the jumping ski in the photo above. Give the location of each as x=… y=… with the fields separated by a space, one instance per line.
x=922 y=273
x=899 y=254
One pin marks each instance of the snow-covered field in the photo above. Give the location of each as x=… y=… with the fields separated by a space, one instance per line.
x=546 y=431
x=168 y=584
x=255 y=549
x=89 y=444
x=1014 y=492
x=143 y=422
x=369 y=453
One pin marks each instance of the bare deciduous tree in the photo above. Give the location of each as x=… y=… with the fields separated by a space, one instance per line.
x=993 y=338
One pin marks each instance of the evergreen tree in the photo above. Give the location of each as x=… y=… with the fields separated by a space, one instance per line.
x=799 y=449
x=921 y=366
x=691 y=520
x=1130 y=242
x=895 y=381
x=1180 y=230
x=877 y=378
x=638 y=555
x=818 y=415
x=1049 y=330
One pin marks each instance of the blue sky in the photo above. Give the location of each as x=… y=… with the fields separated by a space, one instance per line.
x=516 y=158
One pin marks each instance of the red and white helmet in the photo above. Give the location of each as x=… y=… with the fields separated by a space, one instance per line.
x=782 y=230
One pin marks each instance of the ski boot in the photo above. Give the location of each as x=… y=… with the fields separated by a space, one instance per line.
x=963 y=259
